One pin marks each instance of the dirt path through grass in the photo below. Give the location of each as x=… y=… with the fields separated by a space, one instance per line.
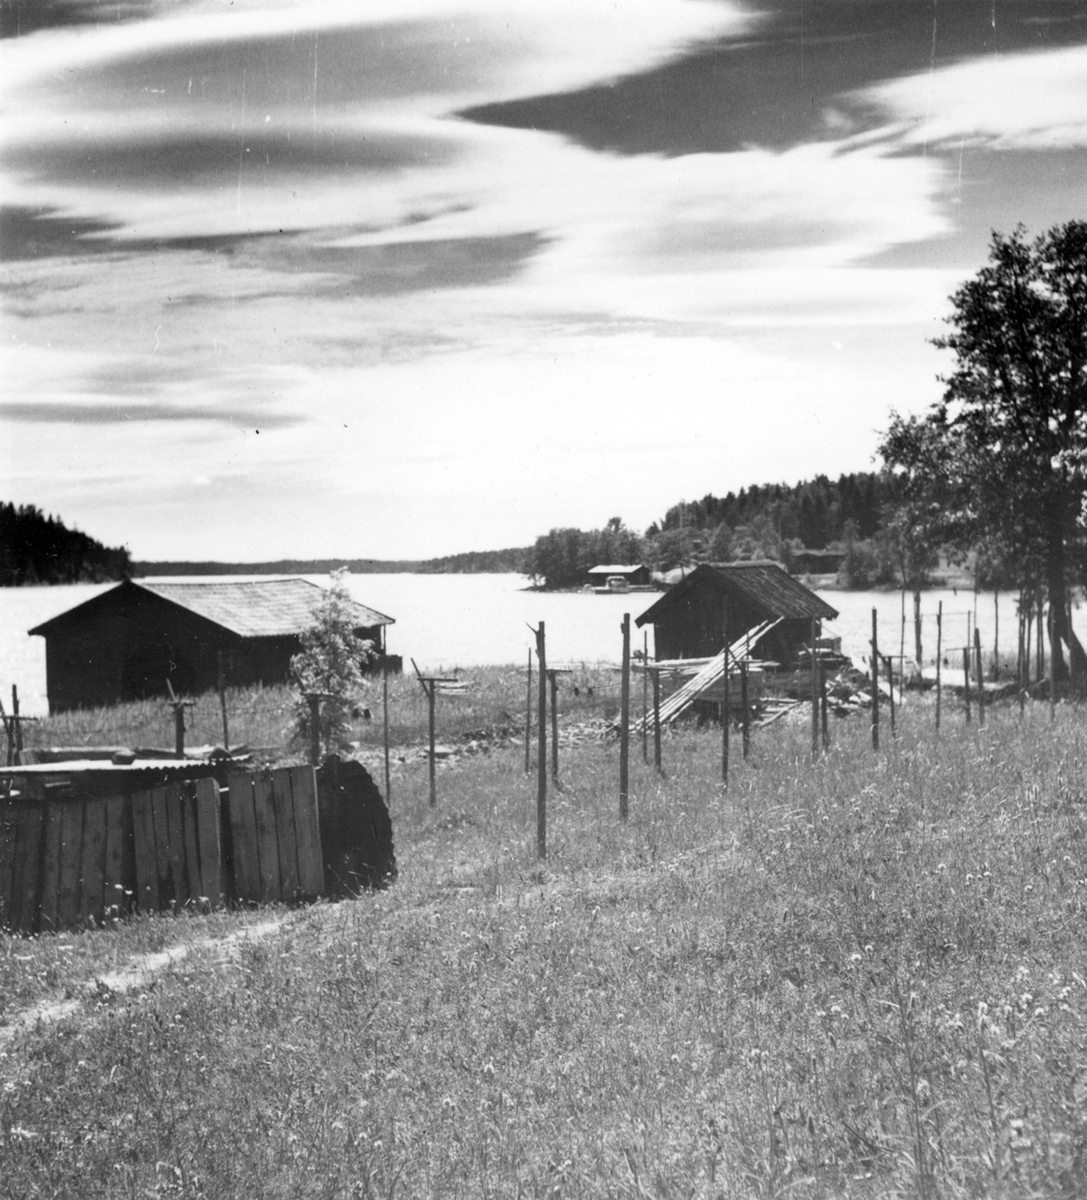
x=137 y=972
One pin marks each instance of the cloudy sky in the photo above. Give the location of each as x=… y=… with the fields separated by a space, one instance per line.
x=398 y=278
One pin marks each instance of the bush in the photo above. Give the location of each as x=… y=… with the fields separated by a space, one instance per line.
x=330 y=666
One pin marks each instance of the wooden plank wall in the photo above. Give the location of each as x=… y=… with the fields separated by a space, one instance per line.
x=275 y=835
x=78 y=860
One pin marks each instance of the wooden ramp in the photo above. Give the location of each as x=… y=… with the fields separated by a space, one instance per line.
x=681 y=699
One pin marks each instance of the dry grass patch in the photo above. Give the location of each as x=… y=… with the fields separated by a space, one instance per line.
x=861 y=979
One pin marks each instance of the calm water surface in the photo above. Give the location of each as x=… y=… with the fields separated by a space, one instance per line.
x=446 y=621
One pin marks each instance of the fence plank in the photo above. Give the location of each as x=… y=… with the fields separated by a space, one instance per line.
x=7 y=860
x=194 y=883
x=174 y=805
x=118 y=823
x=32 y=870
x=143 y=836
x=283 y=802
x=92 y=866
x=303 y=790
x=162 y=845
x=18 y=870
x=243 y=828
x=267 y=847
x=206 y=808
x=71 y=852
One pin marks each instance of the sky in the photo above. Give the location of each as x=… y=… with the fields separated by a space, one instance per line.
x=365 y=278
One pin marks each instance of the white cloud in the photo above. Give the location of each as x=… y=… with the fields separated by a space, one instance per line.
x=1006 y=102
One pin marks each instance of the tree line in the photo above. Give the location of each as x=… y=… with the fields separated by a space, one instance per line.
x=994 y=474
x=35 y=548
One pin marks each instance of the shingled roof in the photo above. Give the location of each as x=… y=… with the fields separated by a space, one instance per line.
x=250 y=608
x=766 y=585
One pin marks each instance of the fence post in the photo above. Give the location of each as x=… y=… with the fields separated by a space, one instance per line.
x=966 y=680
x=541 y=765
x=888 y=664
x=875 y=684
x=939 y=660
x=430 y=689
x=385 y=725
x=553 y=677
x=624 y=723
x=725 y=702
x=657 y=719
x=981 y=678
x=314 y=702
x=645 y=695
x=222 y=701
x=814 y=695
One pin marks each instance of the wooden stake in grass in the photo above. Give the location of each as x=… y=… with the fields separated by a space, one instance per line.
x=624 y=723
x=429 y=684
x=657 y=719
x=889 y=667
x=222 y=702
x=724 y=693
x=814 y=694
x=875 y=683
x=966 y=680
x=939 y=652
x=176 y=704
x=981 y=678
x=645 y=695
x=385 y=725
x=553 y=679
x=541 y=765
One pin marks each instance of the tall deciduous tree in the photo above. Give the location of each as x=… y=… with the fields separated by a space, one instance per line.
x=1007 y=445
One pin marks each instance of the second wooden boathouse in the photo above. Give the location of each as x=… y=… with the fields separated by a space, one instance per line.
x=688 y=620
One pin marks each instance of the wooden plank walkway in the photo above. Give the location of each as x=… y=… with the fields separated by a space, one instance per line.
x=681 y=699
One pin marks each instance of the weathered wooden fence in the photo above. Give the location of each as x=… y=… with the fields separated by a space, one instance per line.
x=73 y=856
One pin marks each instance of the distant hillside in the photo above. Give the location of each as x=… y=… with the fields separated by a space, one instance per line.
x=35 y=548
x=474 y=562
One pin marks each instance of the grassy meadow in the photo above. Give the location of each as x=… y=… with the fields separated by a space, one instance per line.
x=863 y=977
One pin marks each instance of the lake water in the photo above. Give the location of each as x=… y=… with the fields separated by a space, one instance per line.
x=446 y=621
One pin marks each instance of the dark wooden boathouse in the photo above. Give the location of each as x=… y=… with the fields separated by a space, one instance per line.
x=688 y=620
x=131 y=641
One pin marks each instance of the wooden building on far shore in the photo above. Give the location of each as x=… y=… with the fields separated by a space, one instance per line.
x=132 y=641
x=688 y=620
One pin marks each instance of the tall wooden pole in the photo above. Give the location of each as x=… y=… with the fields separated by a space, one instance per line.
x=430 y=689
x=645 y=695
x=939 y=658
x=657 y=719
x=528 y=718
x=314 y=729
x=1020 y=665
x=624 y=723
x=917 y=648
x=18 y=724
x=553 y=676
x=966 y=680
x=385 y=725
x=541 y=750
x=1052 y=663
x=814 y=694
x=222 y=702
x=889 y=666
x=981 y=677
x=875 y=683
x=996 y=634
x=725 y=704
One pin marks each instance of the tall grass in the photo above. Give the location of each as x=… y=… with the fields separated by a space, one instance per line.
x=261 y=716
x=861 y=977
